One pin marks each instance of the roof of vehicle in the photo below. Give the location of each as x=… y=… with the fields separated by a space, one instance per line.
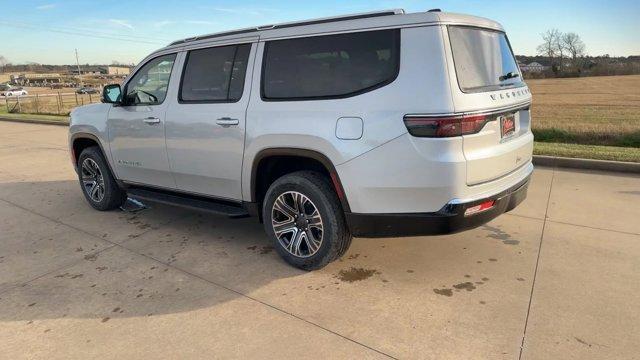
x=379 y=19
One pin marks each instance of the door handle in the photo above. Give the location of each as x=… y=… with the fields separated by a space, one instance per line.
x=227 y=121
x=152 y=120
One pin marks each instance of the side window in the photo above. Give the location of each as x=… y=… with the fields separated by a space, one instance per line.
x=330 y=66
x=150 y=84
x=215 y=74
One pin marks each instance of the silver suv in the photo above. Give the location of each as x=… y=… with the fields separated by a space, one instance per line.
x=372 y=125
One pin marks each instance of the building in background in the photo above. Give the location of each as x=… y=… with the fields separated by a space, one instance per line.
x=117 y=70
x=535 y=67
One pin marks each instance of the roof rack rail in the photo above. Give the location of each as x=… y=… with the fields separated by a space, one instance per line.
x=293 y=24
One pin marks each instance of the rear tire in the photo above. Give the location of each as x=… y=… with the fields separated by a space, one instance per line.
x=98 y=184
x=304 y=219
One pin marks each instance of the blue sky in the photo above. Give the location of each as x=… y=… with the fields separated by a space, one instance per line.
x=46 y=31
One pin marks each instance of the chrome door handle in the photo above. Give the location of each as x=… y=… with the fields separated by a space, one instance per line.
x=152 y=120
x=226 y=121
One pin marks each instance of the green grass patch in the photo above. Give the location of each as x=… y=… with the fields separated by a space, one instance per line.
x=21 y=116
x=596 y=152
x=587 y=137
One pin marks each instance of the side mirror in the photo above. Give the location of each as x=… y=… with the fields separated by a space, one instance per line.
x=112 y=94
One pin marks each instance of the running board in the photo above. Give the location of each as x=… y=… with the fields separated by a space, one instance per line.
x=188 y=201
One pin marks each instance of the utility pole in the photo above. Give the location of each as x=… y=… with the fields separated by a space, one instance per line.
x=78 y=64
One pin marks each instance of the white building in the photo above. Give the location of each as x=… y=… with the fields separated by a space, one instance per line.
x=533 y=67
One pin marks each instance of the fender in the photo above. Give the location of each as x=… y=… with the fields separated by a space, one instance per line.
x=83 y=135
x=299 y=152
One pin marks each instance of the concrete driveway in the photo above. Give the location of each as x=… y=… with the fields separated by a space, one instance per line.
x=558 y=278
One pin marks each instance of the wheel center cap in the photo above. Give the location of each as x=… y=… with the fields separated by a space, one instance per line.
x=301 y=222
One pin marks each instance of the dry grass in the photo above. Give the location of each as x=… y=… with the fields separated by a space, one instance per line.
x=594 y=110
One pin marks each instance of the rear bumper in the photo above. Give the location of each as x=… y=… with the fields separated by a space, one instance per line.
x=450 y=219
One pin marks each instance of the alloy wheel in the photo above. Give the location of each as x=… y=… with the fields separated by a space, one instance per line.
x=297 y=224
x=92 y=180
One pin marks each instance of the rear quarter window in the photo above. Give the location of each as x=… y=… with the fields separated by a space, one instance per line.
x=333 y=66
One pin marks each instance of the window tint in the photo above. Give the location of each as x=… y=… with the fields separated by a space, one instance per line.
x=330 y=66
x=215 y=74
x=483 y=59
x=149 y=85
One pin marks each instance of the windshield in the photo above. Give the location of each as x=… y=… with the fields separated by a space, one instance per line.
x=483 y=59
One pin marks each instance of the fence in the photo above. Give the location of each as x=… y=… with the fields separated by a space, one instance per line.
x=49 y=104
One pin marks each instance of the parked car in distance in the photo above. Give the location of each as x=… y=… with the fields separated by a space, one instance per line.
x=373 y=125
x=8 y=91
x=87 y=90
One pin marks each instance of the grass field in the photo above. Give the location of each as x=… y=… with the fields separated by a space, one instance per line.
x=591 y=111
x=594 y=117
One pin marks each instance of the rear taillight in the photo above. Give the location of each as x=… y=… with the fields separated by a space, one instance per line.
x=445 y=126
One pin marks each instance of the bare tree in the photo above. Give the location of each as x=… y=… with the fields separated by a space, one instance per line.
x=551 y=46
x=572 y=43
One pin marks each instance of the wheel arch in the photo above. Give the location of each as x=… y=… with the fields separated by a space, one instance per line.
x=81 y=141
x=266 y=158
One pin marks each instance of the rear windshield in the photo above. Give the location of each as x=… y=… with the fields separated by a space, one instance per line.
x=483 y=59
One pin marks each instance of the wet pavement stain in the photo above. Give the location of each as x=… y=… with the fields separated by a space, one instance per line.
x=91 y=257
x=499 y=234
x=493 y=260
x=252 y=247
x=104 y=320
x=70 y=276
x=582 y=342
x=353 y=256
x=444 y=292
x=465 y=286
x=266 y=250
x=355 y=274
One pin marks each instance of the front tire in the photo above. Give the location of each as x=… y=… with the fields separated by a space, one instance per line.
x=303 y=217
x=98 y=184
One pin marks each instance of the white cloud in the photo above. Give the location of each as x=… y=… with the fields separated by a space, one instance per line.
x=46 y=6
x=199 y=22
x=243 y=11
x=163 y=23
x=121 y=23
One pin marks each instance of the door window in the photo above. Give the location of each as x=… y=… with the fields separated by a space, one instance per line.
x=150 y=84
x=215 y=74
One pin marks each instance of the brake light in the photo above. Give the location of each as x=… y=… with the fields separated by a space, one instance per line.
x=445 y=126
x=480 y=208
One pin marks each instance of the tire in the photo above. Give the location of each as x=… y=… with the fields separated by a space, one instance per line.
x=326 y=235
x=112 y=196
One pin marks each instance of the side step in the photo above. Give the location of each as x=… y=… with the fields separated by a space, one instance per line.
x=220 y=207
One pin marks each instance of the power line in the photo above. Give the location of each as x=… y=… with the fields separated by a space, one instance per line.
x=91 y=34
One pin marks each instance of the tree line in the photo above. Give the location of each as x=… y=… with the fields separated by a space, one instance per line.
x=565 y=54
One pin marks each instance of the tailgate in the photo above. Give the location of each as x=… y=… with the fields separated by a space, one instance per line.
x=490 y=83
x=498 y=149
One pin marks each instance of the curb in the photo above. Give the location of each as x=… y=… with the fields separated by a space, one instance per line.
x=37 y=121
x=586 y=164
